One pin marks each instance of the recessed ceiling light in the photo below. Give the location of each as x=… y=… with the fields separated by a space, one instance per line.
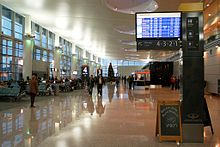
x=209 y=14
x=207 y=5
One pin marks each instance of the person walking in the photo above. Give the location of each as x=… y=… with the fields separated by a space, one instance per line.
x=173 y=81
x=33 y=89
x=99 y=84
x=91 y=84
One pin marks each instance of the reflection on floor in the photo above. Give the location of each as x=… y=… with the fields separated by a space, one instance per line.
x=120 y=118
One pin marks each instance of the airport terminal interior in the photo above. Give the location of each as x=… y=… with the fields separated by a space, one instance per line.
x=110 y=73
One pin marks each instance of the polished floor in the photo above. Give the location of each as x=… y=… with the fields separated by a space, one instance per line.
x=120 y=118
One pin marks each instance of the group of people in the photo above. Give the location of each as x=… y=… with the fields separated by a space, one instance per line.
x=33 y=83
x=99 y=81
x=174 y=81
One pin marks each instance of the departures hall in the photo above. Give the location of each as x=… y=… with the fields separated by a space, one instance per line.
x=109 y=73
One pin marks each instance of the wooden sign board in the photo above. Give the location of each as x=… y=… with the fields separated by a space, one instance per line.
x=168 y=125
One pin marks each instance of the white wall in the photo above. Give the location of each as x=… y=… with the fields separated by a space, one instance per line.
x=212 y=69
x=127 y=70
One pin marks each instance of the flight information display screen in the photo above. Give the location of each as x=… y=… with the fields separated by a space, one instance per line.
x=158 y=25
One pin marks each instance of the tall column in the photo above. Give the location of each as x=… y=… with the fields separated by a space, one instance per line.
x=57 y=54
x=73 y=66
x=28 y=49
x=73 y=62
x=91 y=68
x=193 y=77
x=91 y=65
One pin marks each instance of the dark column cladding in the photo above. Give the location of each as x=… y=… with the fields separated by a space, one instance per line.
x=193 y=77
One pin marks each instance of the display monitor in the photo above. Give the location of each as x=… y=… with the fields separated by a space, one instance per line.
x=158 y=25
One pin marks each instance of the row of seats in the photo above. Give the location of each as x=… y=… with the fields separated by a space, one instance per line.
x=13 y=92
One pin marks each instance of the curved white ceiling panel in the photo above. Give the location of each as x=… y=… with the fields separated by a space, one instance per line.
x=125 y=42
x=129 y=30
x=132 y=6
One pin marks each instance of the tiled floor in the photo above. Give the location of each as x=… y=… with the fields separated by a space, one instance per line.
x=120 y=118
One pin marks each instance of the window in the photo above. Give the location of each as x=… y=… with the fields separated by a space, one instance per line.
x=45 y=56
x=9 y=60
x=138 y=63
x=50 y=57
x=51 y=41
x=19 y=49
x=87 y=55
x=38 y=55
x=6 y=63
x=125 y=63
x=131 y=63
x=6 y=21
x=44 y=38
x=7 y=47
x=70 y=49
x=18 y=27
x=37 y=35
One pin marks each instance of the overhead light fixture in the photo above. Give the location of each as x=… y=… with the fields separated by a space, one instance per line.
x=133 y=55
x=130 y=49
x=209 y=14
x=28 y=35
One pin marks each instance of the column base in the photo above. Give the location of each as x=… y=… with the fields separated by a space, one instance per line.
x=192 y=133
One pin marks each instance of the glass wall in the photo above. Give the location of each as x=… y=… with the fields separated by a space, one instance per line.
x=44 y=47
x=115 y=63
x=65 y=62
x=11 y=50
x=18 y=33
x=79 y=60
x=6 y=21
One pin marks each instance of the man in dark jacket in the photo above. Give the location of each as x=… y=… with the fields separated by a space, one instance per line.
x=100 y=82
x=91 y=84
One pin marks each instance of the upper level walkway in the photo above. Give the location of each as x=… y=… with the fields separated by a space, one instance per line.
x=120 y=118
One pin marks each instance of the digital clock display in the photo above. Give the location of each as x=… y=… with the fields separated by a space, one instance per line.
x=158 y=45
x=158 y=25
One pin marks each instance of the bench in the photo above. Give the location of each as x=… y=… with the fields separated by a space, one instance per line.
x=10 y=92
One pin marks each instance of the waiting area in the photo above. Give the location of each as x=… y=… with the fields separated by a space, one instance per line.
x=119 y=118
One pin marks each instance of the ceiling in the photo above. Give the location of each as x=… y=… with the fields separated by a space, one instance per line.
x=104 y=27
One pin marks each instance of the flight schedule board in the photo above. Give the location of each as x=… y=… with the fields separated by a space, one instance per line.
x=158 y=30
x=158 y=25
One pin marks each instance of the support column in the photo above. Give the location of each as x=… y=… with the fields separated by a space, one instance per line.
x=73 y=66
x=57 y=54
x=91 y=67
x=73 y=62
x=27 y=56
x=193 y=78
x=28 y=49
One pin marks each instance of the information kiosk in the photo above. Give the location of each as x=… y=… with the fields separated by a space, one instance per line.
x=142 y=79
